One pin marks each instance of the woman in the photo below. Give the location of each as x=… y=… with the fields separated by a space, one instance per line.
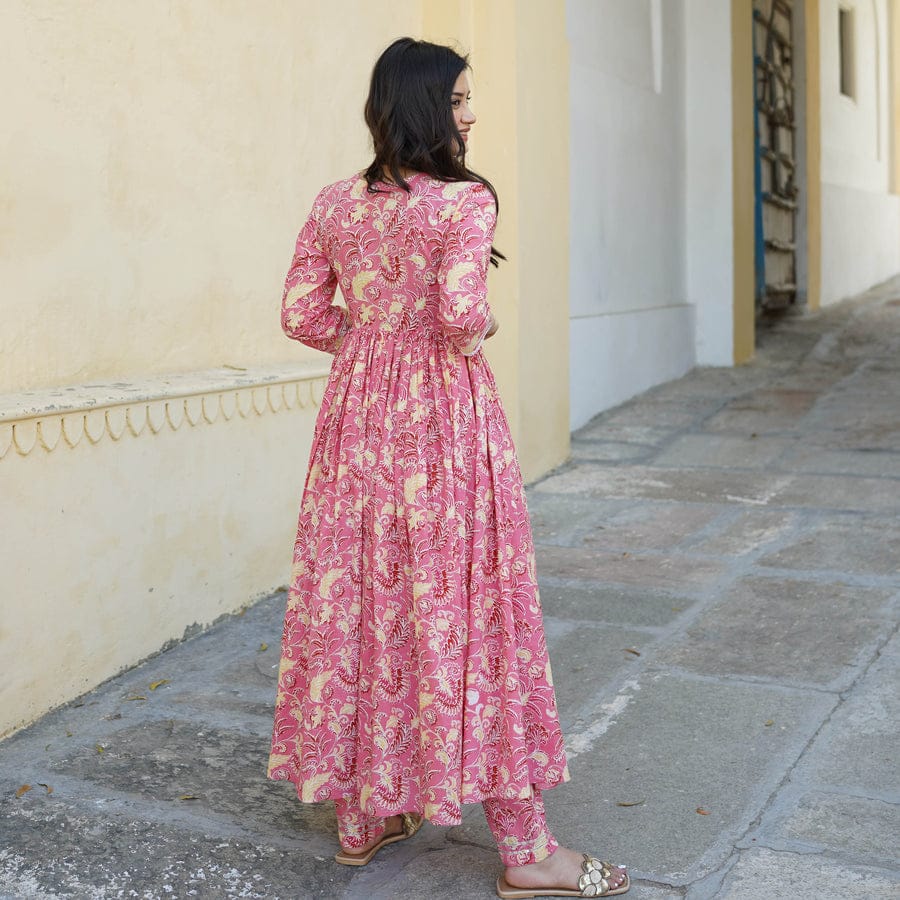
x=414 y=674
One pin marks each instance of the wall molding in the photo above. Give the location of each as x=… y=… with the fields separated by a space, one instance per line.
x=66 y=417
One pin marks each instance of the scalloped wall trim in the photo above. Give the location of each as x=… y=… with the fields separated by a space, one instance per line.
x=66 y=417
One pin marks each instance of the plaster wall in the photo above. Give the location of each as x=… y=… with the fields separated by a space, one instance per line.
x=520 y=142
x=133 y=520
x=160 y=159
x=544 y=249
x=601 y=345
x=627 y=266
x=860 y=240
x=860 y=217
x=710 y=198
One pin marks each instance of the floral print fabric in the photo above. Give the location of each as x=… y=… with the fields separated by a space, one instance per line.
x=414 y=672
x=520 y=830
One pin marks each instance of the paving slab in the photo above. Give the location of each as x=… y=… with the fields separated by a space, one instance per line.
x=675 y=414
x=716 y=382
x=444 y=870
x=580 y=672
x=838 y=492
x=162 y=761
x=857 y=748
x=862 y=400
x=746 y=531
x=54 y=848
x=647 y=435
x=764 y=875
x=862 y=830
x=869 y=337
x=674 y=745
x=565 y=598
x=766 y=411
x=651 y=526
x=847 y=544
x=724 y=451
x=814 y=374
x=610 y=451
x=692 y=485
x=787 y=630
x=812 y=459
x=852 y=409
x=566 y=518
x=660 y=571
x=790 y=336
x=462 y=865
x=863 y=438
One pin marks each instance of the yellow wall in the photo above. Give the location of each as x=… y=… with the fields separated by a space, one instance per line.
x=128 y=522
x=520 y=61
x=158 y=162
x=742 y=179
x=472 y=27
x=543 y=189
x=164 y=157
x=813 y=185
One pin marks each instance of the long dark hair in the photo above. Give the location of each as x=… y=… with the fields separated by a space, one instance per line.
x=409 y=114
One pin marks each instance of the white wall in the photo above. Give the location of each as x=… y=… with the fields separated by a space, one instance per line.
x=860 y=217
x=709 y=207
x=631 y=325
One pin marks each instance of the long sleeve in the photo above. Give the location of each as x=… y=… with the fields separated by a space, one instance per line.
x=307 y=313
x=464 y=312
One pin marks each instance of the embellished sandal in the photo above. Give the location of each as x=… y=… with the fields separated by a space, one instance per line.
x=593 y=883
x=411 y=824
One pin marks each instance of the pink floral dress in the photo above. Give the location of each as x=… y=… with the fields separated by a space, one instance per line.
x=414 y=672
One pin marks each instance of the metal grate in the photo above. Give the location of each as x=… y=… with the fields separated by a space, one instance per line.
x=775 y=154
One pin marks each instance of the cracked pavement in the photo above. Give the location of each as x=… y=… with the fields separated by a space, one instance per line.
x=720 y=574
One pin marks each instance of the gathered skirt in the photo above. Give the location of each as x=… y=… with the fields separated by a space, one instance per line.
x=414 y=672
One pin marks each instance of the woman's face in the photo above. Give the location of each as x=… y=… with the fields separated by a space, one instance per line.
x=459 y=100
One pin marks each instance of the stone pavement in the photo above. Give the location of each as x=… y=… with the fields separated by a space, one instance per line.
x=719 y=566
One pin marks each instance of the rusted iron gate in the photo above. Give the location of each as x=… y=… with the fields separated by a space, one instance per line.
x=775 y=154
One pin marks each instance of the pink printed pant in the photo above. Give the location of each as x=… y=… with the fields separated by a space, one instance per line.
x=519 y=828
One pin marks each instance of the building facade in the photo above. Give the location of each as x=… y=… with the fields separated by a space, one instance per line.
x=720 y=162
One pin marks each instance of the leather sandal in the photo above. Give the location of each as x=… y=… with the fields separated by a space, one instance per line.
x=411 y=823
x=593 y=883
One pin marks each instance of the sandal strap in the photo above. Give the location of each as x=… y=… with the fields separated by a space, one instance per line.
x=411 y=823
x=594 y=883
